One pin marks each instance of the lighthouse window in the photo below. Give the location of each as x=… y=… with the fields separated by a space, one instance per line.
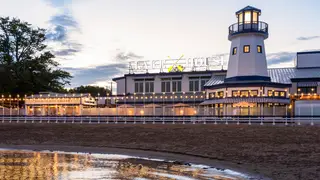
x=259 y=49
x=234 y=51
x=246 y=49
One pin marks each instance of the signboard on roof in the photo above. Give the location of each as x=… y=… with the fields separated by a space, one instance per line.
x=185 y=64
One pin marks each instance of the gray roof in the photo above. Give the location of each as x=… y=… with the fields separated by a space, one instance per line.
x=58 y=95
x=278 y=75
x=248 y=99
x=248 y=8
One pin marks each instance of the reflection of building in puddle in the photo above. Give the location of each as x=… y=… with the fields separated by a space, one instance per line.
x=21 y=165
x=29 y=165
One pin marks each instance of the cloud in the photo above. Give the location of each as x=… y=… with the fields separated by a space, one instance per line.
x=65 y=19
x=58 y=35
x=123 y=56
x=280 y=58
x=58 y=3
x=306 y=38
x=101 y=75
x=86 y=76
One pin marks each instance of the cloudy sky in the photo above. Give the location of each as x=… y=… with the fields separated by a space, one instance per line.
x=95 y=39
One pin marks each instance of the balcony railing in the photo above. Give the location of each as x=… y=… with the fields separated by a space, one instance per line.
x=247 y=27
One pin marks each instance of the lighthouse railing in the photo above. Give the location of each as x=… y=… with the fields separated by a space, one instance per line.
x=260 y=26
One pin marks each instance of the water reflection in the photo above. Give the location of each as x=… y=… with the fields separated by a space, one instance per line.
x=20 y=165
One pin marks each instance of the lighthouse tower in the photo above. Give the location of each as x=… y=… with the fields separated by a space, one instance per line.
x=247 y=60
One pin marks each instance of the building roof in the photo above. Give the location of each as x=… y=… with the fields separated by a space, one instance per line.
x=248 y=8
x=59 y=95
x=277 y=75
x=247 y=99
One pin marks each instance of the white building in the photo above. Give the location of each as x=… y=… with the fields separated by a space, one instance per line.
x=51 y=104
x=248 y=87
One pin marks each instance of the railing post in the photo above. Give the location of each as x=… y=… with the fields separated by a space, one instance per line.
x=249 y=120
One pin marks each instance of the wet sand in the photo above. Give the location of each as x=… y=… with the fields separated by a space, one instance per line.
x=275 y=152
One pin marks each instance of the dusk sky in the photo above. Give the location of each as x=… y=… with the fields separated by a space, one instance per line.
x=95 y=39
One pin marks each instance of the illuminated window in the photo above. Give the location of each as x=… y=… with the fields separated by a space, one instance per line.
x=246 y=49
x=211 y=95
x=276 y=93
x=255 y=17
x=254 y=93
x=259 y=49
x=235 y=93
x=282 y=94
x=220 y=94
x=247 y=17
x=270 y=93
x=244 y=93
x=240 y=18
x=234 y=51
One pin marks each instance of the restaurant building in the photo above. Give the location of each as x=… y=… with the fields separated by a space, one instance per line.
x=247 y=87
x=56 y=104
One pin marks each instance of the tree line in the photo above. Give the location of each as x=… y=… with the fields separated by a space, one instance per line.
x=26 y=64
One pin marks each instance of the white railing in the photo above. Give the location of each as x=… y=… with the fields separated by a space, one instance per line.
x=163 y=120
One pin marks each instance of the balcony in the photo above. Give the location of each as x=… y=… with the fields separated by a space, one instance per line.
x=248 y=27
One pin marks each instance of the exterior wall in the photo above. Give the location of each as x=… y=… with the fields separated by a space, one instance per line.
x=247 y=64
x=130 y=84
x=121 y=84
x=308 y=60
x=294 y=88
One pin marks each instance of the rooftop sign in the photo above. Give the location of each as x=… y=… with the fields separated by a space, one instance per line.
x=187 y=64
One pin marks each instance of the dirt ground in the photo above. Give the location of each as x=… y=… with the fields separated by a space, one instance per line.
x=276 y=152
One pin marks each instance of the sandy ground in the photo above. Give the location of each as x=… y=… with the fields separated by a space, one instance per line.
x=275 y=152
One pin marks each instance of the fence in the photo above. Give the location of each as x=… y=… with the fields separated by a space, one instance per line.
x=265 y=120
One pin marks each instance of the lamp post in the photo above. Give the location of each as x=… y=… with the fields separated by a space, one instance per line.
x=163 y=103
x=18 y=107
x=173 y=94
x=154 y=106
x=2 y=107
x=10 y=110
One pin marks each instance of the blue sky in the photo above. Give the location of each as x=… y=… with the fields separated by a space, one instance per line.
x=95 y=39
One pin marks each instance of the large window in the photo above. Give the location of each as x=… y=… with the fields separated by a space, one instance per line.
x=176 y=86
x=235 y=93
x=194 y=85
x=138 y=87
x=244 y=93
x=246 y=49
x=165 y=86
x=149 y=87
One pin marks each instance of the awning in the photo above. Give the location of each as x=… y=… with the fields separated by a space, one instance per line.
x=308 y=84
x=249 y=99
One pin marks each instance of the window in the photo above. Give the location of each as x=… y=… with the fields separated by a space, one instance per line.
x=138 y=87
x=194 y=85
x=307 y=90
x=255 y=17
x=220 y=94
x=270 y=93
x=235 y=93
x=276 y=94
x=254 y=93
x=176 y=86
x=283 y=94
x=149 y=87
x=234 y=51
x=246 y=49
x=244 y=93
x=211 y=95
x=259 y=49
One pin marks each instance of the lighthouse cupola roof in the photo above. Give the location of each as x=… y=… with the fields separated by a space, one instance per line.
x=248 y=8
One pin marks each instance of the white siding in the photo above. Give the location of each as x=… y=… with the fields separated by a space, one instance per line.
x=308 y=60
x=247 y=64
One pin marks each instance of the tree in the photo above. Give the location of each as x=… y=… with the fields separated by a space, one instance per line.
x=25 y=64
x=95 y=91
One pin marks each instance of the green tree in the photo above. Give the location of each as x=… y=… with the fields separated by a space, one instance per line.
x=26 y=66
x=95 y=91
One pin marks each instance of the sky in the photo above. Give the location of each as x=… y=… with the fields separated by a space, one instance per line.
x=95 y=39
